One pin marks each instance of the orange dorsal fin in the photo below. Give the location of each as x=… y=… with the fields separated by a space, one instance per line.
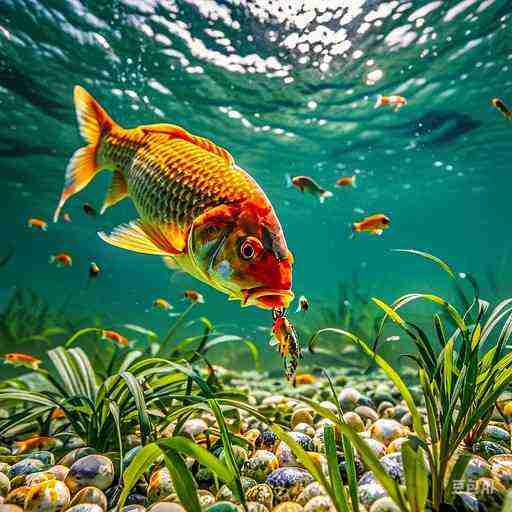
x=138 y=236
x=117 y=191
x=176 y=132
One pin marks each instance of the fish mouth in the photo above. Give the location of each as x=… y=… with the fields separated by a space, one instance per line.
x=267 y=298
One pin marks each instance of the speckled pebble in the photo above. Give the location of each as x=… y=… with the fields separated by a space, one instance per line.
x=261 y=493
x=90 y=495
x=288 y=483
x=288 y=506
x=319 y=504
x=25 y=467
x=92 y=470
x=85 y=507
x=165 y=506
x=260 y=465
x=50 y=496
x=5 y=485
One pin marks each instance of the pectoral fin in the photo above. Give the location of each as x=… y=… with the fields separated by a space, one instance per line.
x=117 y=191
x=138 y=236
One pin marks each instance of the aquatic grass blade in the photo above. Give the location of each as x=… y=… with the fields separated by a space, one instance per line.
x=416 y=477
x=141 y=463
x=228 y=448
x=305 y=459
x=443 y=265
x=371 y=461
x=337 y=487
x=80 y=333
x=140 y=404
x=114 y=410
x=201 y=455
x=182 y=478
x=388 y=370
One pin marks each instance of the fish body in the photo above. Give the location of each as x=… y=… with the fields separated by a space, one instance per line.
x=193 y=296
x=38 y=224
x=94 y=270
x=374 y=224
x=197 y=207
x=500 y=105
x=394 y=100
x=347 y=181
x=162 y=304
x=89 y=210
x=115 y=337
x=309 y=185
x=61 y=259
x=35 y=444
x=19 y=359
x=303 y=304
x=285 y=337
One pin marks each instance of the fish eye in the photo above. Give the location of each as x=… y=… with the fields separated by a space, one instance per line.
x=385 y=221
x=250 y=247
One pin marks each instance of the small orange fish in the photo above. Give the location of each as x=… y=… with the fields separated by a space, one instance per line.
x=57 y=414
x=89 y=210
x=500 y=105
x=115 y=337
x=347 y=181
x=285 y=337
x=162 y=304
x=397 y=101
x=374 y=224
x=66 y=217
x=194 y=296
x=94 y=270
x=303 y=304
x=61 y=259
x=26 y=360
x=305 y=378
x=35 y=444
x=309 y=185
x=37 y=223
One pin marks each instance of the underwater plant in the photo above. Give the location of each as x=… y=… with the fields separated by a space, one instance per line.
x=461 y=374
x=352 y=311
x=27 y=317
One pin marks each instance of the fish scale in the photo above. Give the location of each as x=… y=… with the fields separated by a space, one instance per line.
x=173 y=179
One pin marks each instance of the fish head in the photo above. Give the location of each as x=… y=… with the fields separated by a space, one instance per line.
x=241 y=251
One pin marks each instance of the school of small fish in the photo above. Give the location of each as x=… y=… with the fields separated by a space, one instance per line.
x=199 y=211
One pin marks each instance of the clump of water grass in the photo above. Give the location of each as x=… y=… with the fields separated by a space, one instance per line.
x=462 y=372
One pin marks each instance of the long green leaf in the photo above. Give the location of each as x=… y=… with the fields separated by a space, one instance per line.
x=203 y=456
x=430 y=257
x=305 y=459
x=139 y=465
x=371 y=461
x=388 y=370
x=416 y=477
x=182 y=479
x=338 y=489
x=140 y=404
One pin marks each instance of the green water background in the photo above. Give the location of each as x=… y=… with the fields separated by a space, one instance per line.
x=286 y=87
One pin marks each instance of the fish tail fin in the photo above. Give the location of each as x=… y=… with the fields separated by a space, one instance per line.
x=378 y=103
x=354 y=181
x=93 y=122
x=324 y=195
x=288 y=180
x=51 y=259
